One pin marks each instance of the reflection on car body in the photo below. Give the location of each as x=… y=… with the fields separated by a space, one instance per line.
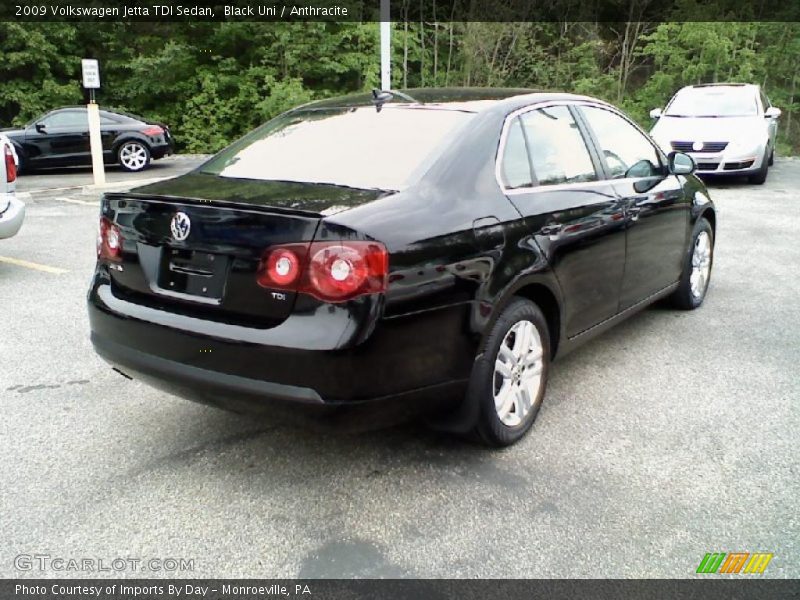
x=433 y=257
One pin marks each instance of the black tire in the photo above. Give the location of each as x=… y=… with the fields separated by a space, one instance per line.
x=771 y=158
x=489 y=428
x=760 y=176
x=683 y=297
x=137 y=149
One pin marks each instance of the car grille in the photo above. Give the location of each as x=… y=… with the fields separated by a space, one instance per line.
x=738 y=165
x=707 y=166
x=707 y=146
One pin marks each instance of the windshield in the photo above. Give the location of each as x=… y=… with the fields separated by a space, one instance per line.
x=713 y=102
x=354 y=147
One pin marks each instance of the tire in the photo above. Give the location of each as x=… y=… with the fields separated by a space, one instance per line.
x=771 y=158
x=761 y=175
x=133 y=156
x=693 y=287
x=505 y=421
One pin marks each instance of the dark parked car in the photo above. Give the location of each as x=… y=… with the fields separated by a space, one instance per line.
x=427 y=251
x=60 y=138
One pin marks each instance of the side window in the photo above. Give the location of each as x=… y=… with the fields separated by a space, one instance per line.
x=67 y=118
x=558 y=151
x=516 y=168
x=626 y=150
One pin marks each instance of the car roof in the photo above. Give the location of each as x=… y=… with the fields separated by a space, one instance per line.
x=461 y=99
x=110 y=111
x=705 y=85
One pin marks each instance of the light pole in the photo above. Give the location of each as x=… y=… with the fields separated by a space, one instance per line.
x=386 y=38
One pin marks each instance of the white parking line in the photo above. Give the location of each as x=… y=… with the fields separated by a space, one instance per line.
x=75 y=201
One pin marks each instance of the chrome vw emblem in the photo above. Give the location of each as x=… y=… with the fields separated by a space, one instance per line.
x=697 y=146
x=180 y=226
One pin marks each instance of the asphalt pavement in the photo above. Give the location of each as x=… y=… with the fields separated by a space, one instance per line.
x=671 y=436
x=70 y=178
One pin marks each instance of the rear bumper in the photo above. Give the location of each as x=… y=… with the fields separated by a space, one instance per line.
x=12 y=217
x=162 y=150
x=406 y=366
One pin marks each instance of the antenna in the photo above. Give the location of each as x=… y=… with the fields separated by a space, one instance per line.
x=381 y=97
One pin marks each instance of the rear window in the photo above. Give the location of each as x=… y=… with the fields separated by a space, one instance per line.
x=354 y=147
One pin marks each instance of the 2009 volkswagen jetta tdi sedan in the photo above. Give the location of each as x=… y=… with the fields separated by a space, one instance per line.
x=377 y=256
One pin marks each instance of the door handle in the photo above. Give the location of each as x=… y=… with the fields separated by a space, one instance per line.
x=551 y=229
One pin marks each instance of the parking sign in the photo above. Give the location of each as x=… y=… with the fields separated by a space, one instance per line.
x=91 y=73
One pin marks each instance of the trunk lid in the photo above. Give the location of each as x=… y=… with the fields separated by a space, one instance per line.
x=193 y=244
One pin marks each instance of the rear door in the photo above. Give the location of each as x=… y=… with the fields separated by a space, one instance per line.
x=553 y=177
x=656 y=209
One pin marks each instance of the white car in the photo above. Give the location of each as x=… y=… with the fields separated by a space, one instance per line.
x=727 y=128
x=12 y=210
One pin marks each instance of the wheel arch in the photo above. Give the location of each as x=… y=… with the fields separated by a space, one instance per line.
x=543 y=297
x=542 y=292
x=129 y=137
x=710 y=215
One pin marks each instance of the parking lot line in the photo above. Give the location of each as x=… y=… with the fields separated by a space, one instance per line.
x=75 y=201
x=32 y=265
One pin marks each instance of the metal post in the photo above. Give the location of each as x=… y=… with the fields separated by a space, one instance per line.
x=386 y=38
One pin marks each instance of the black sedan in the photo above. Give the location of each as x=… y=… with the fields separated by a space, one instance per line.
x=374 y=257
x=60 y=138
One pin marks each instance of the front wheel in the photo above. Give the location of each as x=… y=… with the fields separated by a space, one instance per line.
x=133 y=156
x=510 y=376
x=696 y=269
x=761 y=175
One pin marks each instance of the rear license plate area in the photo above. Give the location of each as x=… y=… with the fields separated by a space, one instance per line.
x=193 y=273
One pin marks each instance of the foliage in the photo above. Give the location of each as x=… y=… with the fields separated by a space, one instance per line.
x=213 y=81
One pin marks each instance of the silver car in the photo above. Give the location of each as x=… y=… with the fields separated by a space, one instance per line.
x=727 y=128
x=12 y=210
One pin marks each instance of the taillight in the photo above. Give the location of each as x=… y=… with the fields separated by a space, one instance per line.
x=11 y=166
x=109 y=241
x=153 y=131
x=329 y=271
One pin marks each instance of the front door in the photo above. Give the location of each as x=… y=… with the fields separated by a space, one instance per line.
x=656 y=209
x=60 y=138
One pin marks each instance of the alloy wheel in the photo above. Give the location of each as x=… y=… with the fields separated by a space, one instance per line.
x=701 y=265
x=518 y=373
x=133 y=156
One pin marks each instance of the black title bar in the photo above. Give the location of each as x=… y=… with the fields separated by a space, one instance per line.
x=401 y=10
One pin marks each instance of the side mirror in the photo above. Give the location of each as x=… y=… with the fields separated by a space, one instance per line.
x=772 y=112
x=655 y=113
x=40 y=127
x=680 y=163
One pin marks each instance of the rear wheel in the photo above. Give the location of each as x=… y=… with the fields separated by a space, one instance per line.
x=696 y=269
x=509 y=378
x=133 y=156
x=772 y=157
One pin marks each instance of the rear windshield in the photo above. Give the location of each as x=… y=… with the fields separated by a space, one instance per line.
x=713 y=102
x=354 y=147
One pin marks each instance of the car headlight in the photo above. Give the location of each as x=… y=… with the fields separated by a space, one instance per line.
x=744 y=146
